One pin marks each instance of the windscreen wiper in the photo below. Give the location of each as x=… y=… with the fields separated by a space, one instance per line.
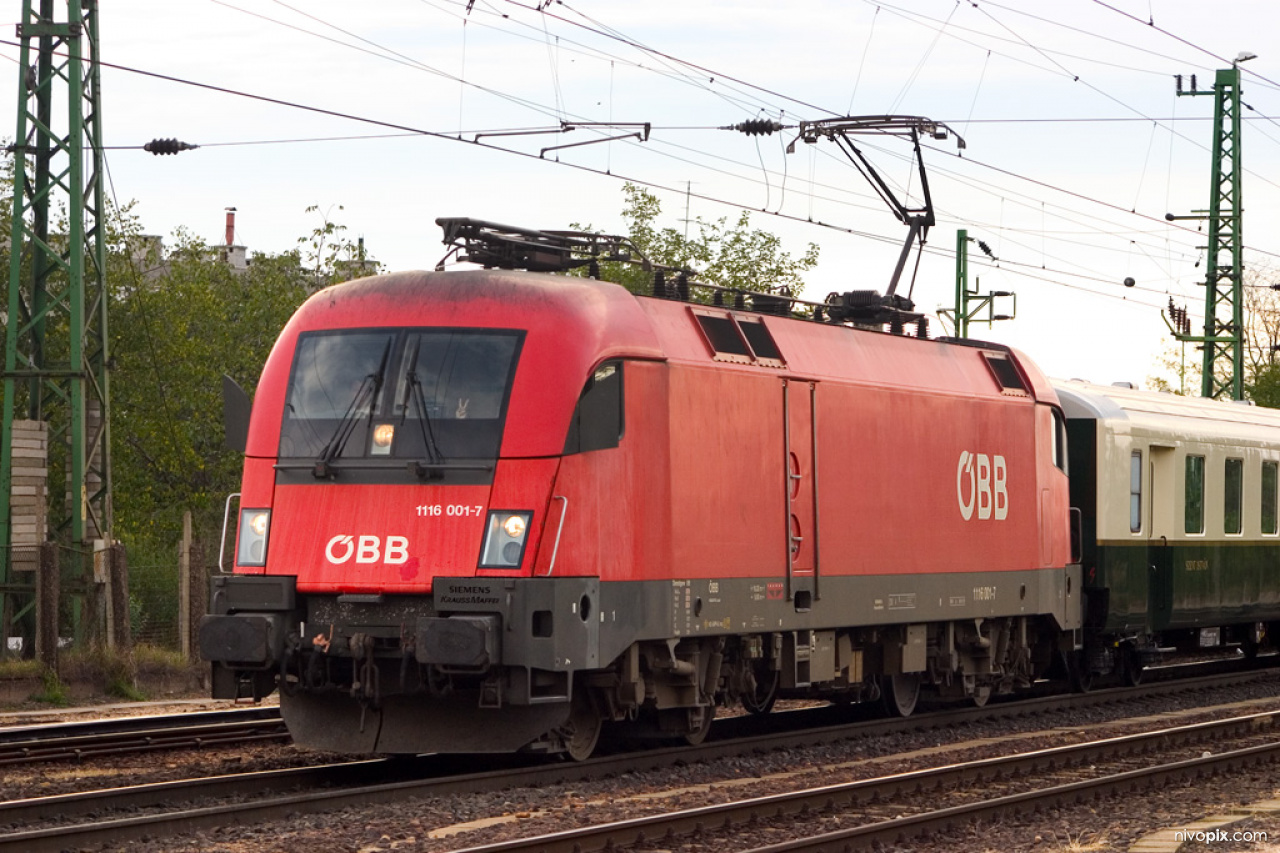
x=367 y=392
x=414 y=388
x=434 y=456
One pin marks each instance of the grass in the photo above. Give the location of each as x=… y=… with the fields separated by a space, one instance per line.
x=13 y=669
x=113 y=670
x=106 y=672
x=52 y=691
x=159 y=661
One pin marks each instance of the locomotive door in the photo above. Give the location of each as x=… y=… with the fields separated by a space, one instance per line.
x=800 y=461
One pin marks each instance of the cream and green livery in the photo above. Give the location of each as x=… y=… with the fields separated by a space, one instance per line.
x=1178 y=515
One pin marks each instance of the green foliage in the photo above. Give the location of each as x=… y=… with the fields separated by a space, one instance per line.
x=1181 y=364
x=177 y=322
x=124 y=688
x=1264 y=386
x=733 y=256
x=176 y=328
x=330 y=255
x=1179 y=371
x=52 y=691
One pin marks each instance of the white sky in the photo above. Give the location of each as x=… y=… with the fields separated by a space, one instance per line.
x=1019 y=80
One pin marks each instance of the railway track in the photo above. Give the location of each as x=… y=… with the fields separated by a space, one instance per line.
x=88 y=739
x=834 y=800
x=262 y=797
x=82 y=740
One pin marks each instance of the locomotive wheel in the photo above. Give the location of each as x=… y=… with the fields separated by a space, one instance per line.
x=582 y=731
x=900 y=693
x=699 y=734
x=766 y=693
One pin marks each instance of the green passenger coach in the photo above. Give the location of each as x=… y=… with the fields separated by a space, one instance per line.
x=1178 y=505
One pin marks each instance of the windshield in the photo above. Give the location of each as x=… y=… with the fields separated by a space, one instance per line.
x=427 y=394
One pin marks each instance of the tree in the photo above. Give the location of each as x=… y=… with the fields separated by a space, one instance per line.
x=1264 y=388
x=1180 y=370
x=732 y=256
x=178 y=324
x=175 y=331
x=329 y=254
x=1183 y=362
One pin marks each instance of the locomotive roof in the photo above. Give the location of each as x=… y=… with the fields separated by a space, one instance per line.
x=595 y=320
x=572 y=324
x=1157 y=412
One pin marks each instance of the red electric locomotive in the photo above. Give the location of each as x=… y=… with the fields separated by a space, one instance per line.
x=490 y=510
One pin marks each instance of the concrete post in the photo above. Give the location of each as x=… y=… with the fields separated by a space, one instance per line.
x=199 y=603
x=184 y=584
x=48 y=590
x=122 y=632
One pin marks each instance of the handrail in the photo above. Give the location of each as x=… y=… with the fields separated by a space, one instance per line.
x=222 y=544
x=556 y=548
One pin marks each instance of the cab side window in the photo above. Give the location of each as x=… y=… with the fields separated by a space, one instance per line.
x=597 y=421
x=1059 y=441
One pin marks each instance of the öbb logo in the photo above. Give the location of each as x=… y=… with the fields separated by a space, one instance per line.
x=367 y=549
x=982 y=484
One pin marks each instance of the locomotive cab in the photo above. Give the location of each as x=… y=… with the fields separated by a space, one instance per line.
x=398 y=529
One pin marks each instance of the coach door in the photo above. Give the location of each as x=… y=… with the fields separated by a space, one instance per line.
x=1162 y=506
x=799 y=407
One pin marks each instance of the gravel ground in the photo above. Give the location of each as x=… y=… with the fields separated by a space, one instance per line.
x=34 y=714
x=451 y=823
x=65 y=777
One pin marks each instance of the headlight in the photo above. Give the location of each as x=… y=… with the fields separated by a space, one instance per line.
x=251 y=544
x=504 y=539
x=515 y=526
x=383 y=434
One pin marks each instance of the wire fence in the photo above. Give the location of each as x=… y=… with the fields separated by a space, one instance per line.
x=154 y=605
x=155 y=602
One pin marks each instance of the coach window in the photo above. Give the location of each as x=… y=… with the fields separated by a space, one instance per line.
x=1135 y=491
x=1270 y=469
x=597 y=420
x=1233 y=496
x=1195 y=495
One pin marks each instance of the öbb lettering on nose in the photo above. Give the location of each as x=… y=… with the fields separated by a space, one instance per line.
x=367 y=549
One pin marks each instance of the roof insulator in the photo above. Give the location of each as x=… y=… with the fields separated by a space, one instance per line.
x=167 y=146
x=757 y=127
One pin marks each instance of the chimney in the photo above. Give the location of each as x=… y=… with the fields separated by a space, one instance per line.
x=231 y=226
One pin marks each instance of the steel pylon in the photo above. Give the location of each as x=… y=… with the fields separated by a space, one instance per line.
x=55 y=358
x=1223 y=338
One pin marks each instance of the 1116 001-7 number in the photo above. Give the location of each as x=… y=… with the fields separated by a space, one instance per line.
x=450 y=510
